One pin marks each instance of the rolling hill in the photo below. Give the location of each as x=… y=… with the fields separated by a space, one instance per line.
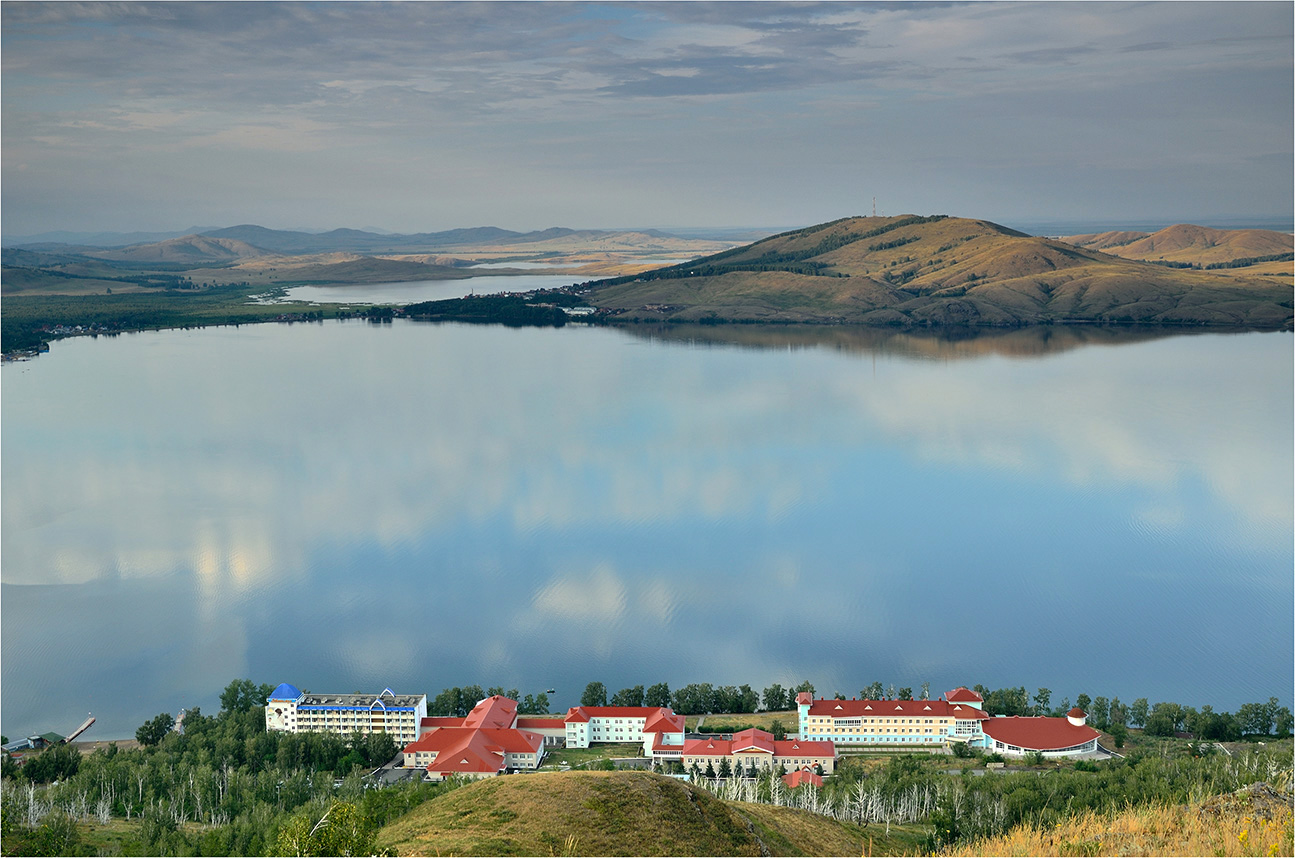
x=936 y=271
x=196 y=249
x=618 y=813
x=1189 y=243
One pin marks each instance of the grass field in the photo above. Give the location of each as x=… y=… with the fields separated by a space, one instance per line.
x=762 y=720
x=1251 y=822
x=577 y=757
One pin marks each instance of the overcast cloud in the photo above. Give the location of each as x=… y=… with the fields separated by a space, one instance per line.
x=423 y=116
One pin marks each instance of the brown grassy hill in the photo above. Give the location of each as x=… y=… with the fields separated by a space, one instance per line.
x=1189 y=243
x=189 y=249
x=332 y=269
x=937 y=271
x=1104 y=240
x=1252 y=821
x=615 y=813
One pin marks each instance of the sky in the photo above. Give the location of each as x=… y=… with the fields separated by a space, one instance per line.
x=414 y=117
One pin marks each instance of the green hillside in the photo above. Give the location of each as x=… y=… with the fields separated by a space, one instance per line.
x=620 y=813
x=936 y=271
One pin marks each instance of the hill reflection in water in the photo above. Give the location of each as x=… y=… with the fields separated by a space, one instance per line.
x=936 y=344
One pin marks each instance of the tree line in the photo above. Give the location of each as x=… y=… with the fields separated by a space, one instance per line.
x=253 y=792
x=1162 y=719
x=1109 y=715
x=458 y=701
x=698 y=698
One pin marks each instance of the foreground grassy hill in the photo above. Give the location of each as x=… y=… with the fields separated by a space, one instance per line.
x=620 y=813
x=937 y=271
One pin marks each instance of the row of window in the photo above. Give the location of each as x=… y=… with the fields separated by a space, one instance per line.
x=854 y=722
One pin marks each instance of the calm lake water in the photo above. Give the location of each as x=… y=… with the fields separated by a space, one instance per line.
x=426 y=290
x=346 y=506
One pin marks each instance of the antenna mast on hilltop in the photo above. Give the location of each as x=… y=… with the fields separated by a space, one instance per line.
x=874 y=206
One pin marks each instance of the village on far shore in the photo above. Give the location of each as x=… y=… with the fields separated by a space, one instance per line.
x=493 y=739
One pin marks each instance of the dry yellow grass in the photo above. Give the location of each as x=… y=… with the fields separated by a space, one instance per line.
x=953 y=271
x=1251 y=823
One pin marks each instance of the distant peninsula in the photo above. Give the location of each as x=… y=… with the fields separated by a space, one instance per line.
x=938 y=271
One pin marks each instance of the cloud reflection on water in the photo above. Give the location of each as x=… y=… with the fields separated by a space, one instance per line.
x=427 y=506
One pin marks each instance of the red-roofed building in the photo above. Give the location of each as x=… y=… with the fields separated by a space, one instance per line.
x=1053 y=737
x=802 y=776
x=962 y=694
x=929 y=723
x=657 y=728
x=759 y=748
x=481 y=745
x=554 y=730
x=493 y=712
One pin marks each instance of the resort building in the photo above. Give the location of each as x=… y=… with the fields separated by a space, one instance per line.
x=484 y=744
x=801 y=777
x=554 y=730
x=954 y=718
x=1053 y=737
x=761 y=749
x=658 y=729
x=291 y=710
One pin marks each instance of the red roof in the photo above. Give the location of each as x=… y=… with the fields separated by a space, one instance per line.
x=804 y=697
x=659 y=743
x=576 y=715
x=664 y=721
x=802 y=776
x=493 y=712
x=961 y=694
x=540 y=724
x=1038 y=734
x=753 y=740
x=612 y=712
x=1077 y=713
x=436 y=722
x=873 y=708
x=515 y=741
x=804 y=748
x=466 y=749
x=761 y=741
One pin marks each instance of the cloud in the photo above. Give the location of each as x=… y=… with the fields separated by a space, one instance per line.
x=727 y=90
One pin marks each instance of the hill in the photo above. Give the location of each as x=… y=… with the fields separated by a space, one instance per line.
x=196 y=249
x=1255 y=820
x=936 y=271
x=615 y=813
x=1189 y=243
x=340 y=268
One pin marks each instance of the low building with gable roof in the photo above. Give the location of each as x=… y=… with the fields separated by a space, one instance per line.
x=801 y=777
x=486 y=743
x=922 y=723
x=758 y=748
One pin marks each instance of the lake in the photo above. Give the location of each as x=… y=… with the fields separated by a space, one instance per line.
x=349 y=506
x=424 y=290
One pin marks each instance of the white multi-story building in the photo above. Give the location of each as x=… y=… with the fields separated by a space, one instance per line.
x=894 y=722
x=659 y=730
x=291 y=710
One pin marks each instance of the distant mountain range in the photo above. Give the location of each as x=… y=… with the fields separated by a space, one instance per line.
x=945 y=271
x=290 y=242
